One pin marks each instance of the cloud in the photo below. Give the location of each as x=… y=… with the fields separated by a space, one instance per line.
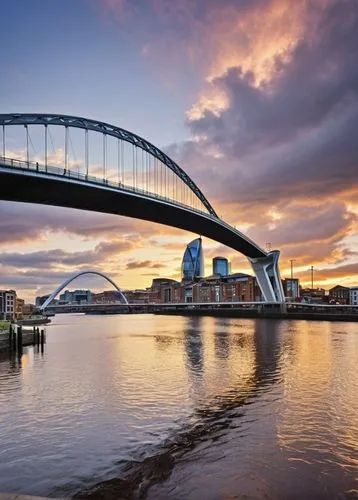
x=337 y=272
x=144 y=263
x=57 y=257
x=24 y=222
x=295 y=134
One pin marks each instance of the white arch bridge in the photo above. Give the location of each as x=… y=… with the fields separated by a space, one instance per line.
x=74 y=277
x=85 y=164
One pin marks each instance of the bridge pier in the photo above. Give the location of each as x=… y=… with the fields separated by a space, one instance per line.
x=268 y=276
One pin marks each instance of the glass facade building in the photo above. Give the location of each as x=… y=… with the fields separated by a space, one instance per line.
x=221 y=266
x=193 y=261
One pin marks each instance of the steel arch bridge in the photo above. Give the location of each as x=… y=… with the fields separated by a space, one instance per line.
x=121 y=174
x=72 y=278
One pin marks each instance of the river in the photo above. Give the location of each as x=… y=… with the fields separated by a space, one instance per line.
x=167 y=407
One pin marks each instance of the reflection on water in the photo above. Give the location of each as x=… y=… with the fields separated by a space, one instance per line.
x=183 y=408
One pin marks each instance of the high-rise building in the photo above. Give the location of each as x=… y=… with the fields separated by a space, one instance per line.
x=221 y=266
x=193 y=261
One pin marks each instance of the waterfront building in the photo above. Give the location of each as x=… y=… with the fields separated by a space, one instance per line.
x=193 y=261
x=291 y=288
x=105 y=297
x=314 y=295
x=40 y=300
x=353 y=296
x=7 y=304
x=339 y=295
x=136 y=296
x=76 y=297
x=240 y=287
x=160 y=290
x=29 y=309
x=221 y=266
x=207 y=290
x=19 y=311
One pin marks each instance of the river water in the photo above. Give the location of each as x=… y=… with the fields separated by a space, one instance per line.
x=168 y=407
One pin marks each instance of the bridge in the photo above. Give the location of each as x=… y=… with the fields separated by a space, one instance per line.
x=74 y=277
x=80 y=163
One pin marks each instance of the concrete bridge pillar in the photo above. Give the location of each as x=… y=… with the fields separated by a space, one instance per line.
x=268 y=276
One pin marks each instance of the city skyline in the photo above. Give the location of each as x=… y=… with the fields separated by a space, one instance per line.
x=248 y=97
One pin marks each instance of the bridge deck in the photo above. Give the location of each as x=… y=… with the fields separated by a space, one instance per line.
x=31 y=183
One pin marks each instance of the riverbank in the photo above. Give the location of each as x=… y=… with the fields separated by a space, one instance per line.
x=4 y=326
x=18 y=337
x=263 y=314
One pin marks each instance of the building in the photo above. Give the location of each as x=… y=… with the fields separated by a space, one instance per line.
x=7 y=304
x=353 y=296
x=40 y=300
x=106 y=297
x=221 y=266
x=291 y=288
x=160 y=290
x=205 y=290
x=137 y=296
x=314 y=295
x=238 y=287
x=339 y=295
x=76 y=297
x=19 y=312
x=193 y=261
x=29 y=309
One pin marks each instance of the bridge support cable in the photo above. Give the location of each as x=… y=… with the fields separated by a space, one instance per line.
x=74 y=154
x=3 y=141
x=27 y=146
x=86 y=152
x=66 y=149
x=118 y=160
x=104 y=157
x=45 y=147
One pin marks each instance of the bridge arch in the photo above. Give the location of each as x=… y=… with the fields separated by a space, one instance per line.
x=106 y=129
x=72 y=278
x=176 y=204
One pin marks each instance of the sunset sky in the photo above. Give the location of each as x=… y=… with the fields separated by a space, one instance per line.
x=257 y=100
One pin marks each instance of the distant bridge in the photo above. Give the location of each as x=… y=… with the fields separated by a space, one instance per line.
x=123 y=174
x=74 y=277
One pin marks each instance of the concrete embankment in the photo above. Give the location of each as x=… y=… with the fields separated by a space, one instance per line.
x=17 y=338
x=253 y=313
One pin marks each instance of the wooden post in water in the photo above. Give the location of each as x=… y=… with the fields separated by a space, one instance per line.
x=10 y=334
x=42 y=337
x=14 y=336
x=19 y=339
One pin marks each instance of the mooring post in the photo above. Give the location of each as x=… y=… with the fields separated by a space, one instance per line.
x=14 y=337
x=19 y=338
x=42 y=338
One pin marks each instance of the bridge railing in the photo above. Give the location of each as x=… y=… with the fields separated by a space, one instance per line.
x=24 y=165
